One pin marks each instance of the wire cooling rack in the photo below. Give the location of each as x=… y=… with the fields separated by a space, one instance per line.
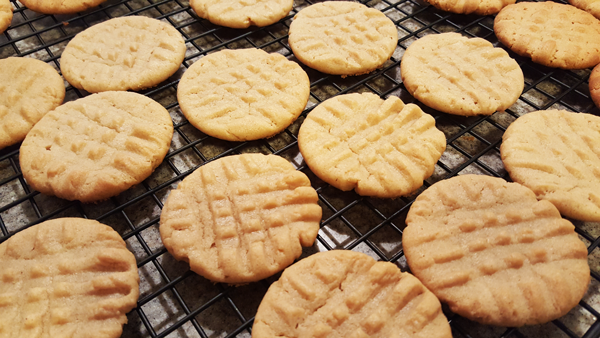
x=175 y=302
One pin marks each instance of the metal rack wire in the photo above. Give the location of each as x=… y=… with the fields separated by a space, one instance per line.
x=175 y=302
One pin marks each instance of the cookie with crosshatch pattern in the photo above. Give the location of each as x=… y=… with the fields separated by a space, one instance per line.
x=244 y=94
x=342 y=293
x=6 y=14
x=29 y=89
x=494 y=253
x=479 y=7
x=462 y=76
x=67 y=277
x=556 y=154
x=241 y=218
x=551 y=34
x=60 y=6
x=242 y=13
x=126 y=53
x=342 y=37
x=379 y=148
x=96 y=147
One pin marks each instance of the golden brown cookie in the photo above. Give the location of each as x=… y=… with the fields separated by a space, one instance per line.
x=67 y=277
x=494 y=253
x=594 y=85
x=342 y=37
x=29 y=88
x=479 y=7
x=462 y=76
x=342 y=293
x=244 y=94
x=242 y=13
x=556 y=154
x=127 y=53
x=590 y=6
x=241 y=218
x=550 y=33
x=96 y=147
x=6 y=14
x=379 y=148
x=60 y=6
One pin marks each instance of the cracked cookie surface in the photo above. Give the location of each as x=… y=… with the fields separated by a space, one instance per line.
x=127 y=53
x=242 y=13
x=556 y=154
x=551 y=34
x=29 y=89
x=462 y=76
x=342 y=38
x=494 y=253
x=67 y=277
x=96 y=147
x=479 y=7
x=241 y=95
x=342 y=293
x=241 y=218
x=379 y=148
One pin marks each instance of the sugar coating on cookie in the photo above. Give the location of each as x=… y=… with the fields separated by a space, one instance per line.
x=379 y=148
x=551 y=34
x=241 y=218
x=493 y=253
x=342 y=38
x=240 y=95
x=459 y=75
x=556 y=154
x=70 y=276
x=594 y=85
x=242 y=13
x=590 y=6
x=6 y=14
x=128 y=53
x=479 y=7
x=342 y=293
x=60 y=6
x=29 y=88
x=96 y=147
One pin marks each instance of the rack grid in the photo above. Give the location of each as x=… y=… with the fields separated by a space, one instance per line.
x=175 y=302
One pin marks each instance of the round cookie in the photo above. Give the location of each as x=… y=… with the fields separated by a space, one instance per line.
x=245 y=94
x=379 y=148
x=590 y=6
x=479 y=7
x=556 y=154
x=342 y=37
x=6 y=14
x=29 y=88
x=594 y=85
x=462 y=76
x=241 y=218
x=493 y=253
x=242 y=13
x=60 y=6
x=550 y=33
x=96 y=147
x=128 y=53
x=342 y=293
x=67 y=277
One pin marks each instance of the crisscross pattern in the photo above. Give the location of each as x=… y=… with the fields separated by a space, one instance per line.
x=69 y=277
x=494 y=253
x=348 y=294
x=241 y=218
x=242 y=13
x=96 y=147
x=133 y=52
x=556 y=154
